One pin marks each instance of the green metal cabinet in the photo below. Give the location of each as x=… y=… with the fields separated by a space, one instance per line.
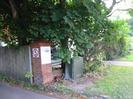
x=74 y=70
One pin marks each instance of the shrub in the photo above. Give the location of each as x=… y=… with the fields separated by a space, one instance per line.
x=117 y=40
x=92 y=66
x=113 y=44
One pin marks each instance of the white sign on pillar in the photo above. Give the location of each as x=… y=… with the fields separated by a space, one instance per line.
x=35 y=52
x=45 y=55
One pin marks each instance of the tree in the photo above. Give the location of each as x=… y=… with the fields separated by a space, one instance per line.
x=73 y=25
x=131 y=21
x=117 y=40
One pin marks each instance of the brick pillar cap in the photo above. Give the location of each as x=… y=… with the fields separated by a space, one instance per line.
x=42 y=43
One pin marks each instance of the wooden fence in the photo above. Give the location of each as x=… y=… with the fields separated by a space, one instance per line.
x=15 y=62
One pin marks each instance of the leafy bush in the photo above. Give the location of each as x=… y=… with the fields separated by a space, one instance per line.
x=113 y=44
x=117 y=40
x=28 y=75
x=92 y=66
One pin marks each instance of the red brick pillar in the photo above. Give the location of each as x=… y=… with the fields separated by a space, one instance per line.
x=41 y=62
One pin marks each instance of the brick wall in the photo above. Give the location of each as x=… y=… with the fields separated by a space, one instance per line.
x=47 y=73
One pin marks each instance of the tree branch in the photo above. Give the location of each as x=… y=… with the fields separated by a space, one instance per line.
x=13 y=9
x=114 y=2
x=116 y=10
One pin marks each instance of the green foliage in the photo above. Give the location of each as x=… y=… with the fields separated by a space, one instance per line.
x=131 y=20
x=128 y=57
x=117 y=40
x=92 y=66
x=28 y=75
x=73 y=25
x=131 y=24
x=131 y=12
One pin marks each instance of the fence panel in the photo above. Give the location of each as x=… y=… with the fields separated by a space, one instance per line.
x=15 y=62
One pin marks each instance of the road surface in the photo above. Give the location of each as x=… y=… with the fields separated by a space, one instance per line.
x=8 y=92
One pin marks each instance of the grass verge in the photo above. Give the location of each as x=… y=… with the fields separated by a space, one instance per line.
x=118 y=84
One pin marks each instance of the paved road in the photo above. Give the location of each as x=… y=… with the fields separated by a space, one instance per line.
x=7 y=92
x=119 y=63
